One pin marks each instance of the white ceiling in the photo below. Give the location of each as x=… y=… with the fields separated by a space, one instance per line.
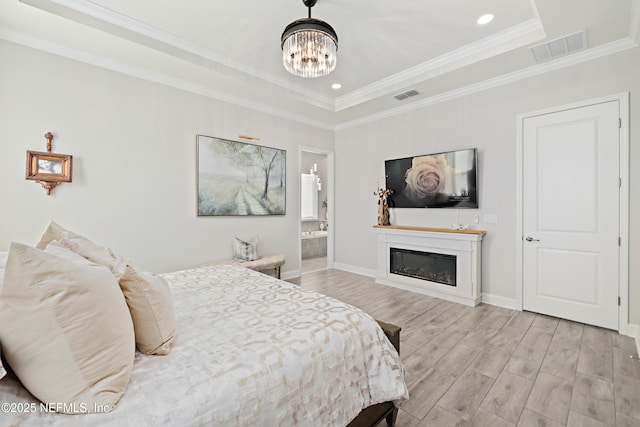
x=230 y=50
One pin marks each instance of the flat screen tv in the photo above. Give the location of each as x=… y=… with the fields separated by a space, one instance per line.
x=440 y=180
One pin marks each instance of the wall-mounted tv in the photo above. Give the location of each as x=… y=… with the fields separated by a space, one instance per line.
x=440 y=180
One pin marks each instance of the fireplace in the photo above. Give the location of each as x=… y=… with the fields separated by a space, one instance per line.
x=432 y=261
x=430 y=266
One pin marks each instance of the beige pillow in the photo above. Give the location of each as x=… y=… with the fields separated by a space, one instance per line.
x=3 y=263
x=94 y=253
x=149 y=300
x=2 y=371
x=53 y=232
x=147 y=295
x=65 y=329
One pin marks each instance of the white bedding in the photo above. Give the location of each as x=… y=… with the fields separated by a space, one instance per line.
x=250 y=350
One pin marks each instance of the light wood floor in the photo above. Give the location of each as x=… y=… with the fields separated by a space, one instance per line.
x=490 y=366
x=314 y=264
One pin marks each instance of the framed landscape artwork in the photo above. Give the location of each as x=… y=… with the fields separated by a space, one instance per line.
x=237 y=178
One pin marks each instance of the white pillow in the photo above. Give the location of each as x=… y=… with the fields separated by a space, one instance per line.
x=3 y=259
x=65 y=328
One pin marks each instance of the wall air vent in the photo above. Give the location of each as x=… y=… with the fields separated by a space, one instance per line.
x=559 y=47
x=408 y=94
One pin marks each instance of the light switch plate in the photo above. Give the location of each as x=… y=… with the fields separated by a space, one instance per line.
x=490 y=218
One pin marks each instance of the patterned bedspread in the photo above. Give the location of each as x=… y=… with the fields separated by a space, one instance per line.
x=251 y=350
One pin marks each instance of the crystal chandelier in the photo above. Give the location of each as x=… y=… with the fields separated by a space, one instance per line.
x=309 y=46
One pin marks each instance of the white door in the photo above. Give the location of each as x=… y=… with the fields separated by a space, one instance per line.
x=571 y=190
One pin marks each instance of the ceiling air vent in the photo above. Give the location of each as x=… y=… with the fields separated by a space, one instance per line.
x=407 y=94
x=559 y=47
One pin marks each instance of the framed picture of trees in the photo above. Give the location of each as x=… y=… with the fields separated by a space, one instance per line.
x=238 y=178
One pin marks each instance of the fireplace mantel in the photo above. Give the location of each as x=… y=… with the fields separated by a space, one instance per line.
x=430 y=230
x=465 y=245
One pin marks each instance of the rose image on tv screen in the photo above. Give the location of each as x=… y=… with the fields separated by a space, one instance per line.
x=433 y=181
x=428 y=177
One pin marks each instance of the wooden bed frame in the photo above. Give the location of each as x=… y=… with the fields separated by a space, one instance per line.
x=373 y=415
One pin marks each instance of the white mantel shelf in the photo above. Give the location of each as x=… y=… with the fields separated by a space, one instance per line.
x=465 y=245
x=430 y=230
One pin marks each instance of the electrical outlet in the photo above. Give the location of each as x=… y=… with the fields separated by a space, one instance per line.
x=476 y=219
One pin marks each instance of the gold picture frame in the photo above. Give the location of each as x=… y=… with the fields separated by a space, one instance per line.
x=47 y=168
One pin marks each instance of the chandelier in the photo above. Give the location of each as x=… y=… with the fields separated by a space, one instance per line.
x=309 y=46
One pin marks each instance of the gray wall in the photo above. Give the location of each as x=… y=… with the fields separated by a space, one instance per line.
x=134 y=162
x=486 y=120
x=134 y=177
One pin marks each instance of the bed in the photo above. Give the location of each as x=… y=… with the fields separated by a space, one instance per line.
x=250 y=350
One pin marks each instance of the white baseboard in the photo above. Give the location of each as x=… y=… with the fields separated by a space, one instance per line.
x=355 y=269
x=499 y=301
x=290 y=274
x=629 y=330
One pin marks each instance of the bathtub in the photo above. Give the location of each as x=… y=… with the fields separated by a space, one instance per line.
x=314 y=244
x=313 y=234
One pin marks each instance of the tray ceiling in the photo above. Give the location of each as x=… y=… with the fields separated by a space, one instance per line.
x=231 y=50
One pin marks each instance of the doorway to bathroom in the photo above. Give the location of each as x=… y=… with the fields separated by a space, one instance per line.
x=316 y=209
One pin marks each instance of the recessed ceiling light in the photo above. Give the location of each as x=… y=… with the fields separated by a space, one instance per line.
x=336 y=86
x=485 y=19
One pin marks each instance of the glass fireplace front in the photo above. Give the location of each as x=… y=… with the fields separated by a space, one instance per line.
x=439 y=268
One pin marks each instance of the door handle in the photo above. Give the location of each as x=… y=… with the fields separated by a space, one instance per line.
x=531 y=239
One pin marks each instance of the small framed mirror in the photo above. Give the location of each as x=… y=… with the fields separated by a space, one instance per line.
x=49 y=169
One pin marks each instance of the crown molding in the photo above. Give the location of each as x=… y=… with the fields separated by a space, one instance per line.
x=119 y=25
x=152 y=76
x=563 y=62
x=98 y=61
x=122 y=26
x=86 y=12
x=634 y=23
x=509 y=39
x=534 y=9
